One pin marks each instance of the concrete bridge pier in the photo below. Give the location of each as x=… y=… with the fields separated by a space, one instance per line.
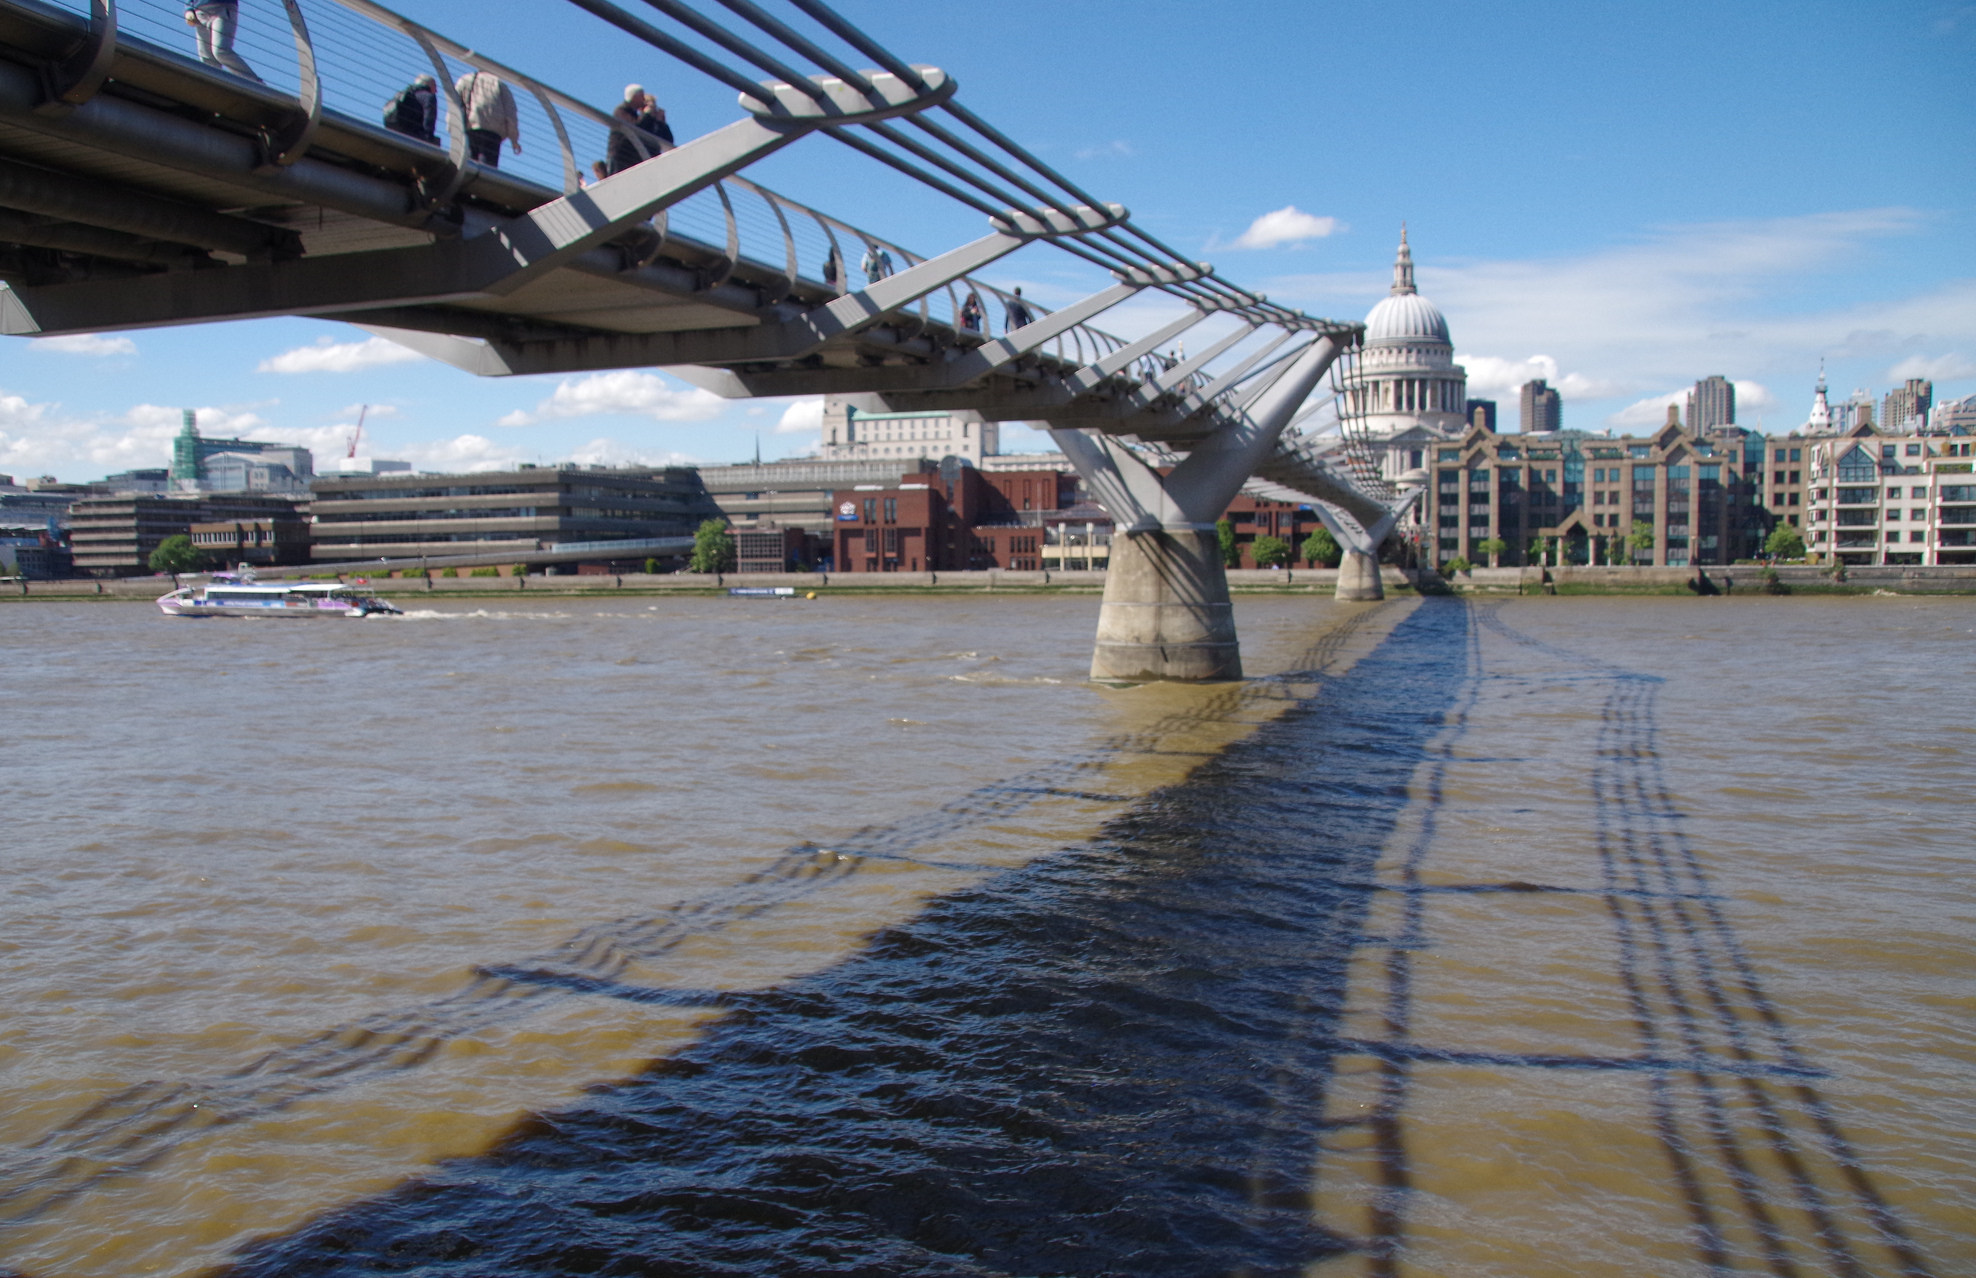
x=1358 y=571
x=1358 y=576
x=1166 y=612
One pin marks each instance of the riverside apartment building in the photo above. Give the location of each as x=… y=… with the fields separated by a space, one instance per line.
x=1890 y=499
x=1699 y=494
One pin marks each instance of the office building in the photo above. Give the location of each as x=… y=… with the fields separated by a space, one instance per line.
x=859 y=428
x=1543 y=412
x=201 y=464
x=1904 y=411
x=1711 y=404
x=113 y=536
x=493 y=512
x=795 y=493
x=254 y=542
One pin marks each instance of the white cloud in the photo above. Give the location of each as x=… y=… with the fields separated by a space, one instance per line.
x=802 y=417
x=1287 y=225
x=1752 y=395
x=372 y=410
x=1648 y=413
x=623 y=391
x=1651 y=412
x=1117 y=149
x=84 y=344
x=37 y=438
x=1936 y=368
x=326 y=355
x=1489 y=375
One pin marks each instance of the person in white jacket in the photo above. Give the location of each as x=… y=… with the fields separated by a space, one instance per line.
x=491 y=116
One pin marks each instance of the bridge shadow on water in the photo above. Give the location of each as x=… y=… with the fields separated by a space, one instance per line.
x=1112 y=1061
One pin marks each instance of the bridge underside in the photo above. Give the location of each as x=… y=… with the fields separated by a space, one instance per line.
x=140 y=187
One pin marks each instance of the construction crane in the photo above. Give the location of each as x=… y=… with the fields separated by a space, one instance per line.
x=358 y=433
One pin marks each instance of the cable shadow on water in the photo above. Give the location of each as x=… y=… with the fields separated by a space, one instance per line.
x=1763 y=1168
x=132 y=1130
x=1111 y=1061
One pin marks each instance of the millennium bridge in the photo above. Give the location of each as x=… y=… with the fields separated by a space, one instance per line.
x=142 y=186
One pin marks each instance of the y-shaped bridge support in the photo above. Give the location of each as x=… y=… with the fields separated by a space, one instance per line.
x=1166 y=612
x=1358 y=570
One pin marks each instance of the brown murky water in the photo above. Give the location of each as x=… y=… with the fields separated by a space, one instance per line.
x=1521 y=937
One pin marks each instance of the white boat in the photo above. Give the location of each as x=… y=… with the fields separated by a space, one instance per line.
x=228 y=596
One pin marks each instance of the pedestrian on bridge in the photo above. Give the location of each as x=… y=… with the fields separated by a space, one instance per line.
x=213 y=23
x=877 y=263
x=641 y=112
x=972 y=313
x=491 y=116
x=415 y=111
x=1016 y=314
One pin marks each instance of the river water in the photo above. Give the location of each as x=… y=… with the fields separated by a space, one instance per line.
x=863 y=936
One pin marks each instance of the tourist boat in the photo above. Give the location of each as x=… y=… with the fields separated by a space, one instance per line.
x=230 y=596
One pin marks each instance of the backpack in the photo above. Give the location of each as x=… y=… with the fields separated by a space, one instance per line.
x=405 y=113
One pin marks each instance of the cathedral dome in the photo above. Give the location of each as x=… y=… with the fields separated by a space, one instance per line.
x=1406 y=316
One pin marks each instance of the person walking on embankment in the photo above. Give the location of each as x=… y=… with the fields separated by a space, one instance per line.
x=491 y=116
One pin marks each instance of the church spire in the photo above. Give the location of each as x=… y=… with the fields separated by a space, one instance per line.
x=1403 y=266
x=1821 y=408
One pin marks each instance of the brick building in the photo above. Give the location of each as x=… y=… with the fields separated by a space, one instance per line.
x=1698 y=495
x=929 y=522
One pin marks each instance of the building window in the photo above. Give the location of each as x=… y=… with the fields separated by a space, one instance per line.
x=1780 y=455
x=1917 y=535
x=1913 y=450
x=1450 y=454
x=1893 y=494
x=1918 y=516
x=1918 y=494
x=1795 y=454
x=1790 y=499
x=871 y=510
x=1893 y=514
x=891 y=510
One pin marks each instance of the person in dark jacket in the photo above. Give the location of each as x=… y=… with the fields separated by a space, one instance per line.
x=638 y=112
x=415 y=111
x=1015 y=313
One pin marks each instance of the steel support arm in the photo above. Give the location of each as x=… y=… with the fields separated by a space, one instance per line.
x=1204 y=483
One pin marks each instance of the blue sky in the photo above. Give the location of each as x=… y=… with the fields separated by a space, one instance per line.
x=1621 y=198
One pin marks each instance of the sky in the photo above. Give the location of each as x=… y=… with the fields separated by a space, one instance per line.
x=1619 y=198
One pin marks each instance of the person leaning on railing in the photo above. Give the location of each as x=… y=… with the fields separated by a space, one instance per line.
x=213 y=24
x=491 y=116
x=415 y=111
x=638 y=111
